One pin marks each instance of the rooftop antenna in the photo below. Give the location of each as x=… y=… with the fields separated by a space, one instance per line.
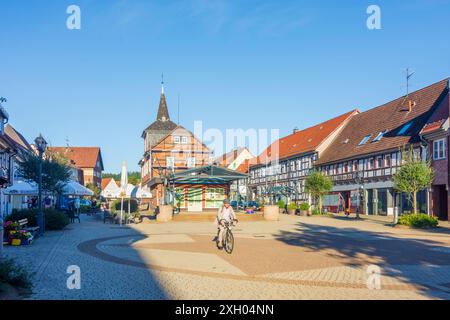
x=411 y=103
x=409 y=74
x=3 y=100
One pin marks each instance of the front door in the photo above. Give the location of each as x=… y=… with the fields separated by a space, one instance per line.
x=195 y=199
x=440 y=207
x=370 y=202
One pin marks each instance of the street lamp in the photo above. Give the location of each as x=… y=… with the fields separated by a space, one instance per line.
x=361 y=200
x=41 y=146
x=360 y=182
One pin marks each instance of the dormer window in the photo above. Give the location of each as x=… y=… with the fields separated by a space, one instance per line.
x=365 y=139
x=405 y=128
x=176 y=139
x=379 y=136
x=184 y=140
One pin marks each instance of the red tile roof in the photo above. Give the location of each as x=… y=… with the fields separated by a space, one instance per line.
x=82 y=157
x=226 y=159
x=243 y=168
x=17 y=137
x=438 y=118
x=105 y=182
x=303 y=141
x=390 y=117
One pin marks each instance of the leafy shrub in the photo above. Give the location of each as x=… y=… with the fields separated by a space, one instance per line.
x=315 y=212
x=84 y=208
x=15 y=275
x=304 y=206
x=292 y=206
x=54 y=219
x=418 y=220
x=281 y=204
x=115 y=206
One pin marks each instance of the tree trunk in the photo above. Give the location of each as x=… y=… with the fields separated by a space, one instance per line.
x=320 y=204
x=414 y=202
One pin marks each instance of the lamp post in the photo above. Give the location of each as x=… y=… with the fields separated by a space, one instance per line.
x=360 y=182
x=41 y=146
x=361 y=200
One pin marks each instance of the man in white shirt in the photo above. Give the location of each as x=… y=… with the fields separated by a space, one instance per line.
x=225 y=213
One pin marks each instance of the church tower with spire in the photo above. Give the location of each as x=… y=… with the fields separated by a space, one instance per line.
x=162 y=126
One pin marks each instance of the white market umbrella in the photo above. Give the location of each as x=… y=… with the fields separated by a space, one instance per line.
x=22 y=188
x=73 y=188
x=123 y=186
x=112 y=190
x=142 y=192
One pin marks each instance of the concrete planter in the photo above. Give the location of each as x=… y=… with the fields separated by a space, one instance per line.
x=165 y=214
x=292 y=212
x=304 y=213
x=271 y=213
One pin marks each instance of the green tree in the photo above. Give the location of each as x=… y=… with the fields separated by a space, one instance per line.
x=55 y=172
x=94 y=189
x=413 y=176
x=317 y=184
x=134 y=177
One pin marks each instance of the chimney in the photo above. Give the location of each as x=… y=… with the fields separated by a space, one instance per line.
x=295 y=130
x=411 y=105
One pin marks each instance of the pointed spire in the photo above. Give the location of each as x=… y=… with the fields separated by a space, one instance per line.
x=163 y=112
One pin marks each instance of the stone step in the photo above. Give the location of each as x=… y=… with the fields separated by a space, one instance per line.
x=201 y=217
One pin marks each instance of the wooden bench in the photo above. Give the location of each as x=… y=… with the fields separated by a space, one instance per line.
x=23 y=224
x=74 y=215
x=107 y=216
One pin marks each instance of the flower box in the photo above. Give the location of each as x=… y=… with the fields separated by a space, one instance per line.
x=16 y=242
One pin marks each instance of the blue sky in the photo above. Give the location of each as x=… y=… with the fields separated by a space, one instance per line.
x=235 y=64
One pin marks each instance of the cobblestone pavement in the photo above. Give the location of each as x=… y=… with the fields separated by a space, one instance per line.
x=295 y=258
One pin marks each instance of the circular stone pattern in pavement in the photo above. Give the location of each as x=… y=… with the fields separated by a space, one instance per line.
x=259 y=259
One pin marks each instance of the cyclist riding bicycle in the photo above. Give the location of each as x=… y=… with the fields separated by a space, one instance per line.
x=225 y=214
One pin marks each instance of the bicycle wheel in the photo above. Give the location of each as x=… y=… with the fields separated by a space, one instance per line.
x=229 y=242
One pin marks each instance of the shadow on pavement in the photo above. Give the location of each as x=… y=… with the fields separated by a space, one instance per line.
x=116 y=269
x=416 y=261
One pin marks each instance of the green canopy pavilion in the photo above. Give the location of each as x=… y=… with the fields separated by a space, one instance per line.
x=202 y=188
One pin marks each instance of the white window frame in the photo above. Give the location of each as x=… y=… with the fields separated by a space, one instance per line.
x=176 y=139
x=190 y=162
x=170 y=162
x=184 y=140
x=439 y=146
x=365 y=140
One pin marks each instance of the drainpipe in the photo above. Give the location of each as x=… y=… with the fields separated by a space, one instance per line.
x=424 y=146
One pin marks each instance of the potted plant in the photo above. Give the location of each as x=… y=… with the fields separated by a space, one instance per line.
x=20 y=237
x=292 y=209
x=281 y=204
x=304 y=209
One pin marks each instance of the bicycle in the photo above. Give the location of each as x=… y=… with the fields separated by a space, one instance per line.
x=228 y=238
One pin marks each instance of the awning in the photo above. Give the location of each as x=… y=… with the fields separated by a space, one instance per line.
x=22 y=188
x=210 y=174
x=73 y=188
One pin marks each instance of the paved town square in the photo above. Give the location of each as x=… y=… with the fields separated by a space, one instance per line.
x=239 y=152
x=294 y=258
